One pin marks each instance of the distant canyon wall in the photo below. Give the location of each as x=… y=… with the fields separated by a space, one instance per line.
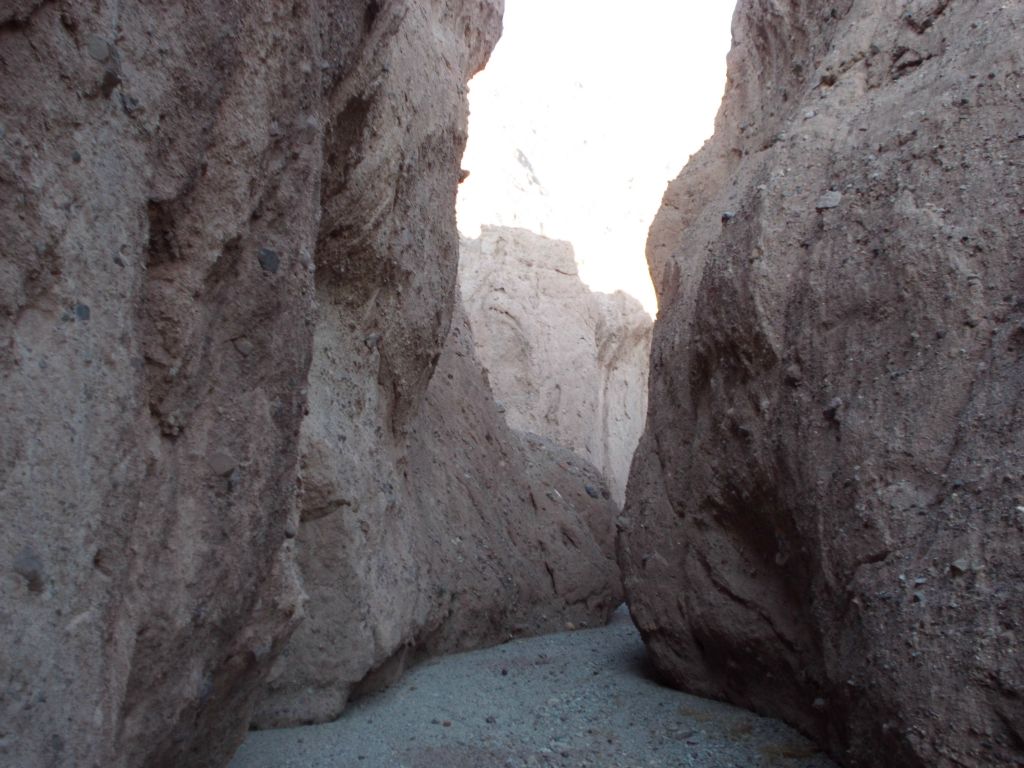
x=228 y=277
x=825 y=514
x=565 y=362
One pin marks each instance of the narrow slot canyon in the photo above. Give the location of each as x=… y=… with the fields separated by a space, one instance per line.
x=435 y=383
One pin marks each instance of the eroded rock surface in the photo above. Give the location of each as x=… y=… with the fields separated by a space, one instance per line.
x=564 y=362
x=470 y=534
x=825 y=514
x=172 y=177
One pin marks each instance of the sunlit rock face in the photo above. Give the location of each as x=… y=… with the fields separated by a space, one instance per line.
x=825 y=512
x=564 y=362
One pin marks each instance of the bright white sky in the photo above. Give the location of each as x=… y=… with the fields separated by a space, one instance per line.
x=606 y=101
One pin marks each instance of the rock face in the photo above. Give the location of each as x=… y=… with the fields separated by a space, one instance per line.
x=565 y=363
x=825 y=512
x=189 y=194
x=468 y=536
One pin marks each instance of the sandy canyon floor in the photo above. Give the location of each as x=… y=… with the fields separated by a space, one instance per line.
x=585 y=698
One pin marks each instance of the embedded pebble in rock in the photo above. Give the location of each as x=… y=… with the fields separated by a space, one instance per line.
x=571 y=700
x=222 y=462
x=832 y=411
x=244 y=347
x=269 y=260
x=830 y=199
x=30 y=568
x=97 y=47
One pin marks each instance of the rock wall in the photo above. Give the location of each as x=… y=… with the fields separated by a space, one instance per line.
x=195 y=199
x=158 y=205
x=466 y=534
x=564 y=362
x=825 y=512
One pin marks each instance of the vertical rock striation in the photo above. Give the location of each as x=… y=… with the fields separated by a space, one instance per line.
x=199 y=201
x=407 y=512
x=825 y=512
x=159 y=174
x=565 y=362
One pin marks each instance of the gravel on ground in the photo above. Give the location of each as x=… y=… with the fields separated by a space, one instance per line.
x=584 y=698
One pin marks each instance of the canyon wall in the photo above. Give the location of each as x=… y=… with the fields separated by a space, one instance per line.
x=824 y=517
x=198 y=202
x=449 y=534
x=159 y=205
x=564 y=362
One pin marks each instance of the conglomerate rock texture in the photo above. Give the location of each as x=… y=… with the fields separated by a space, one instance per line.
x=825 y=514
x=199 y=201
x=159 y=203
x=452 y=533
x=565 y=362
